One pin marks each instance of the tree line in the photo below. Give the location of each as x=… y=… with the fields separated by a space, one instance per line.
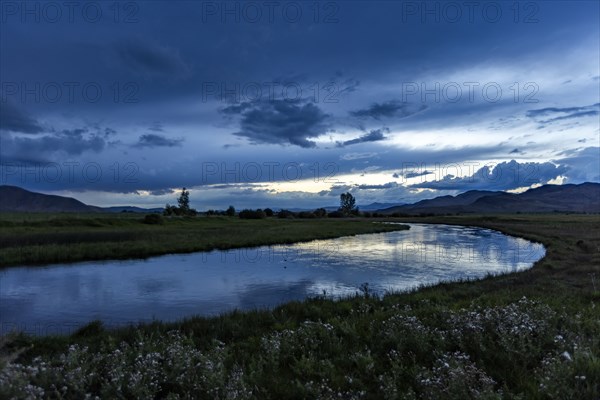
x=347 y=208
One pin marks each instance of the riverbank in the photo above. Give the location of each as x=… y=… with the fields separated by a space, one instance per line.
x=532 y=334
x=40 y=239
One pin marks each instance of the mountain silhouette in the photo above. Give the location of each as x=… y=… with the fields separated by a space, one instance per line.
x=583 y=198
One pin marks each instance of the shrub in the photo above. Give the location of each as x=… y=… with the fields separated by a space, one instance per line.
x=252 y=214
x=285 y=214
x=154 y=219
x=320 y=212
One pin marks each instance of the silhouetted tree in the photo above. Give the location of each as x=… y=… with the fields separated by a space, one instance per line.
x=184 y=205
x=230 y=211
x=320 y=212
x=285 y=214
x=184 y=201
x=347 y=203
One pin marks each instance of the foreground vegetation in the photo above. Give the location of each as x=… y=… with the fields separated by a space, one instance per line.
x=54 y=238
x=528 y=335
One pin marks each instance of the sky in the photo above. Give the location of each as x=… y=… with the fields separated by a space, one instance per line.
x=289 y=104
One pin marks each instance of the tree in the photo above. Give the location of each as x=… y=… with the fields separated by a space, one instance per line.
x=347 y=203
x=184 y=205
x=320 y=212
x=230 y=211
x=184 y=202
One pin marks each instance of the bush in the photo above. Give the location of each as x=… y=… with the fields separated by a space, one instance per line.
x=268 y=212
x=320 y=213
x=285 y=214
x=252 y=214
x=154 y=219
x=335 y=214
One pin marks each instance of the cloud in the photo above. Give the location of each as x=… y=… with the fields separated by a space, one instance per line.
x=350 y=85
x=388 y=185
x=357 y=156
x=411 y=174
x=152 y=58
x=152 y=140
x=388 y=109
x=161 y=192
x=156 y=127
x=559 y=114
x=373 y=136
x=515 y=151
x=70 y=142
x=502 y=176
x=583 y=164
x=14 y=120
x=280 y=122
x=571 y=116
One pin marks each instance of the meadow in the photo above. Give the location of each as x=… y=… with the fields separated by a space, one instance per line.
x=38 y=239
x=528 y=335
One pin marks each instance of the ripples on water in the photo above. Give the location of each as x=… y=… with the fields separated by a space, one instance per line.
x=59 y=298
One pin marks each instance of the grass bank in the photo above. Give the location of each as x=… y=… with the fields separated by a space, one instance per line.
x=528 y=335
x=37 y=239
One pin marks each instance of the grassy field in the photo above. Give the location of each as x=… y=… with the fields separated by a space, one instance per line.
x=53 y=238
x=528 y=335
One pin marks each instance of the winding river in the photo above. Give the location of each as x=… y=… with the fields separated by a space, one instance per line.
x=58 y=299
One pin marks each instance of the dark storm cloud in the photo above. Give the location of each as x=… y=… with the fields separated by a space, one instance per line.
x=152 y=58
x=502 y=176
x=71 y=142
x=280 y=122
x=14 y=120
x=388 y=109
x=153 y=140
x=371 y=54
x=373 y=136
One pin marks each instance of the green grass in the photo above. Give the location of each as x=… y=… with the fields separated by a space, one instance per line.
x=527 y=335
x=30 y=239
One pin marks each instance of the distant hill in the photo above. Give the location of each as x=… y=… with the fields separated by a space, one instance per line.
x=16 y=199
x=378 y=206
x=584 y=197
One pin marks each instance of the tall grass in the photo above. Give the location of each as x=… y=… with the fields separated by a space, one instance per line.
x=32 y=239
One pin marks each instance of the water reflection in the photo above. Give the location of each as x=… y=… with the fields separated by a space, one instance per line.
x=57 y=299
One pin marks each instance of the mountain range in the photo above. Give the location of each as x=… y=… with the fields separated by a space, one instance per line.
x=583 y=198
x=16 y=199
